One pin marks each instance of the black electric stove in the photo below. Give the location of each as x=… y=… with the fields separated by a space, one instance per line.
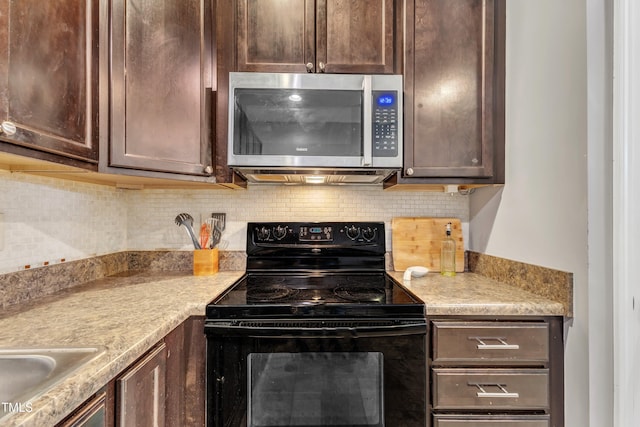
x=316 y=270
x=316 y=334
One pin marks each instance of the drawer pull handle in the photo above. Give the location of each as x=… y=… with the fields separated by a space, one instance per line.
x=502 y=393
x=503 y=344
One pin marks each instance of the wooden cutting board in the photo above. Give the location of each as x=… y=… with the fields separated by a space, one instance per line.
x=417 y=241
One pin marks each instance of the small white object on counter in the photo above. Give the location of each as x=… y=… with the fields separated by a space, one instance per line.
x=415 y=271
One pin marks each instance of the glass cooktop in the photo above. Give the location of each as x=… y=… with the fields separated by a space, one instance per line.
x=317 y=294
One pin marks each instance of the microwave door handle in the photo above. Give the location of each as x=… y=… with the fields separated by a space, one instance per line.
x=367 y=117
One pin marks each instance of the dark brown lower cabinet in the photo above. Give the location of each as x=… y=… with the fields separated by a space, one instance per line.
x=497 y=371
x=140 y=391
x=95 y=412
x=185 y=384
x=165 y=387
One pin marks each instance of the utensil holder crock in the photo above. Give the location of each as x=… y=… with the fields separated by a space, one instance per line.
x=205 y=262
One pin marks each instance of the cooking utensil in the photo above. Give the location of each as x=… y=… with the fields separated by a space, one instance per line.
x=187 y=220
x=216 y=236
x=418 y=240
x=217 y=224
x=210 y=224
x=205 y=233
x=221 y=220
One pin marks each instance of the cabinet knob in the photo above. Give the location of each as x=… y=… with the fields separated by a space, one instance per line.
x=309 y=67
x=8 y=128
x=208 y=170
x=409 y=171
x=322 y=66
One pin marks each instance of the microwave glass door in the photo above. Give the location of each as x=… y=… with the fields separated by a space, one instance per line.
x=298 y=122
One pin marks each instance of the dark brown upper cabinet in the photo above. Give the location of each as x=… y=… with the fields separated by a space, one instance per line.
x=454 y=91
x=49 y=78
x=161 y=86
x=332 y=36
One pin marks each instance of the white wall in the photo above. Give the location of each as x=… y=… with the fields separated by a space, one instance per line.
x=626 y=210
x=600 y=294
x=540 y=216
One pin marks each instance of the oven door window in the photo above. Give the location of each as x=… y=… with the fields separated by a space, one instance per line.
x=297 y=122
x=315 y=389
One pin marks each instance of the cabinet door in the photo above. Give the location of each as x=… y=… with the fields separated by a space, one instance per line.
x=185 y=384
x=275 y=35
x=161 y=85
x=333 y=36
x=355 y=36
x=140 y=391
x=93 y=413
x=449 y=89
x=49 y=75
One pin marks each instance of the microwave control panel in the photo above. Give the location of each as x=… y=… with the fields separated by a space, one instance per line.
x=385 y=123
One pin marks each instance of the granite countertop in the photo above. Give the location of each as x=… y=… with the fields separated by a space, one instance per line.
x=124 y=315
x=127 y=314
x=473 y=294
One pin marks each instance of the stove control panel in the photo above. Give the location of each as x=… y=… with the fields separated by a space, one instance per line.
x=315 y=233
x=336 y=234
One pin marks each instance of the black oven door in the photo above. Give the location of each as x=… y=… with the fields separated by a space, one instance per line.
x=278 y=374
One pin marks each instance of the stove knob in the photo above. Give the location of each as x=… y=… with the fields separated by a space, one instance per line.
x=369 y=234
x=280 y=232
x=263 y=233
x=353 y=232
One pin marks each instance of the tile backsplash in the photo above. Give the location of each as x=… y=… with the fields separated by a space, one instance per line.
x=47 y=220
x=151 y=213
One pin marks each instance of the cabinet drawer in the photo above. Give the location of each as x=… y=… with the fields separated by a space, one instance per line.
x=491 y=421
x=490 y=343
x=491 y=389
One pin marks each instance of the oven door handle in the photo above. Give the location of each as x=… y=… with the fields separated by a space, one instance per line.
x=322 y=332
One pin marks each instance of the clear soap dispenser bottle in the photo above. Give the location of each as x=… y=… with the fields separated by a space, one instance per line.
x=448 y=254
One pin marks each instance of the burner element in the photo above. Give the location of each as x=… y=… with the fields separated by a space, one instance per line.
x=360 y=294
x=270 y=293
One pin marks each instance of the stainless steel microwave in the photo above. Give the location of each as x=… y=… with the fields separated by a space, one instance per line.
x=342 y=124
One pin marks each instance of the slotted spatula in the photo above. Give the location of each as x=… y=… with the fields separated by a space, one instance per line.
x=187 y=220
x=216 y=235
x=221 y=220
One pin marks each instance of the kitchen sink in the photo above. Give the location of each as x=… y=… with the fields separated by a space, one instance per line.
x=28 y=372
